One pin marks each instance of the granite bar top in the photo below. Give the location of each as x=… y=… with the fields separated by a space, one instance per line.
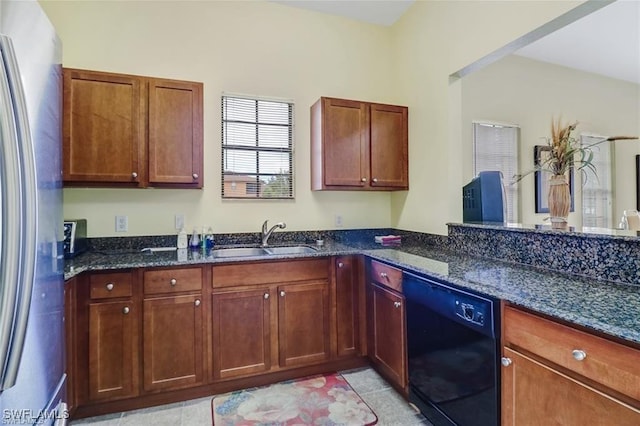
x=603 y=306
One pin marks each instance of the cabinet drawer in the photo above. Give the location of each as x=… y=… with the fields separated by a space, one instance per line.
x=172 y=280
x=270 y=272
x=608 y=363
x=386 y=275
x=106 y=286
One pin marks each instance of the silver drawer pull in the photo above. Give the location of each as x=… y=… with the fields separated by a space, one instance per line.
x=282 y=293
x=506 y=361
x=197 y=302
x=340 y=264
x=195 y=176
x=375 y=180
x=383 y=274
x=266 y=295
x=363 y=179
x=125 y=310
x=109 y=286
x=579 y=355
x=173 y=282
x=134 y=175
x=397 y=304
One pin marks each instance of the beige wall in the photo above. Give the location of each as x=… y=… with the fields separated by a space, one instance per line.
x=602 y=106
x=266 y=49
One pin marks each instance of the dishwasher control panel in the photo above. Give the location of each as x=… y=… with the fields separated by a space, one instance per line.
x=470 y=312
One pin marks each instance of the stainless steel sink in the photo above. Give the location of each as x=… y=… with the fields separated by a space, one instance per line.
x=259 y=251
x=290 y=250
x=239 y=252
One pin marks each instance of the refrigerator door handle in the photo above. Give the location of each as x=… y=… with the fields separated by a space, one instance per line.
x=19 y=249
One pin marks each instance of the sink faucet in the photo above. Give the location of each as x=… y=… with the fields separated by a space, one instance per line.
x=266 y=234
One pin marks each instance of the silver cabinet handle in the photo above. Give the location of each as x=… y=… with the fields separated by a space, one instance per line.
x=505 y=361
x=134 y=175
x=340 y=264
x=397 y=304
x=282 y=293
x=266 y=296
x=197 y=302
x=195 y=176
x=383 y=274
x=109 y=286
x=363 y=179
x=173 y=282
x=125 y=310
x=375 y=180
x=579 y=355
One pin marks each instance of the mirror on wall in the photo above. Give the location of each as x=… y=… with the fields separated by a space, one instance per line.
x=569 y=74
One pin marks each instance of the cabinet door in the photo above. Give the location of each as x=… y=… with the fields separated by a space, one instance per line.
x=104 y=128
x=347 y=305
x=241 y=325
x=534 y=394
x=303 y=323
x=70 y=318
x=345 y=134
x=172 y=342
x=113 y=350
x=389 y=146
x=175 y=133
x=387 y=331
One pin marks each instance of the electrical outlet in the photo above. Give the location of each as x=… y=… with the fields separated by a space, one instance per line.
x=122 y=223
x=179 y=221
x=338 y=221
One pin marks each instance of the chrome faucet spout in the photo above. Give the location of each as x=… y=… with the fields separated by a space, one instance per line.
x=266 y=234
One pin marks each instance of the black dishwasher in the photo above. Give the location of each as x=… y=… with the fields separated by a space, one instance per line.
x=453 y=350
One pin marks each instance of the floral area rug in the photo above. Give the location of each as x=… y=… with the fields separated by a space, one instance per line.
x=318 y=400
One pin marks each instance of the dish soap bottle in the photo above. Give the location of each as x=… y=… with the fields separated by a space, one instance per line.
x=182 y=239
x=195 y=240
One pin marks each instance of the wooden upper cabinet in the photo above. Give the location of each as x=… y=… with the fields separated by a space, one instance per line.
x=127 y=130
x=358 y=146
x=104 y=127
x=175 y=132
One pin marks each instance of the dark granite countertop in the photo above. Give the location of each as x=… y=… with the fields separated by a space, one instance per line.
x=599 y=305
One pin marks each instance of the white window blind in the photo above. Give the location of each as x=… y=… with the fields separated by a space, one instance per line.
x=495 y=147
x=597 y=190
x=257 y=148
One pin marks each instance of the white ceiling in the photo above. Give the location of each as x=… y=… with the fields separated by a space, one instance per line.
x=605 y=42
x=381 y=12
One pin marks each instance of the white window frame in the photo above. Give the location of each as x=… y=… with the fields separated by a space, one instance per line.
x=258 y=177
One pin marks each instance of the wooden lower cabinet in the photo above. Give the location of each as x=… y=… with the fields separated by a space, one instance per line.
x=303 y=323
x=535 y=394
x=556 y=374
x=172 y=342
x=241 y=332
x=386 y=331
x=347 y=296
x=113 y=350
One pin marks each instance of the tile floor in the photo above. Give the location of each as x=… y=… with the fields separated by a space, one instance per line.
x=389 y=406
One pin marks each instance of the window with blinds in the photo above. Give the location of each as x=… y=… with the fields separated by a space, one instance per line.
x=257 y=148
x=495 y=147
x=597 y=190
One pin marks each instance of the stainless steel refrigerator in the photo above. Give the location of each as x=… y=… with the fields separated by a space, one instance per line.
x=32 y=367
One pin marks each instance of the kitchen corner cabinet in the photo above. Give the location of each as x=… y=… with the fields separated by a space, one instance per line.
x=358 y=146
x=113 y=338
x=556 y=374
x=267 y=317
x=131 y=131
x=173 y=332
x=386 y=324
x=348 y=305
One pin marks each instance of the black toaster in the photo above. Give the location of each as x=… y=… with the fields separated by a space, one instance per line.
x=75 y=237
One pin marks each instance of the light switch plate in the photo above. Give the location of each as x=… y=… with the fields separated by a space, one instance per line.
x=122 y=223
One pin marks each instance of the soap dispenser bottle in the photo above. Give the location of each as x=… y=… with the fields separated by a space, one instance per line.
x=195 y=240
x=182 y=239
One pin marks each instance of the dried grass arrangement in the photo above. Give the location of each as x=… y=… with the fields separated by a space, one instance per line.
x=566 y=151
